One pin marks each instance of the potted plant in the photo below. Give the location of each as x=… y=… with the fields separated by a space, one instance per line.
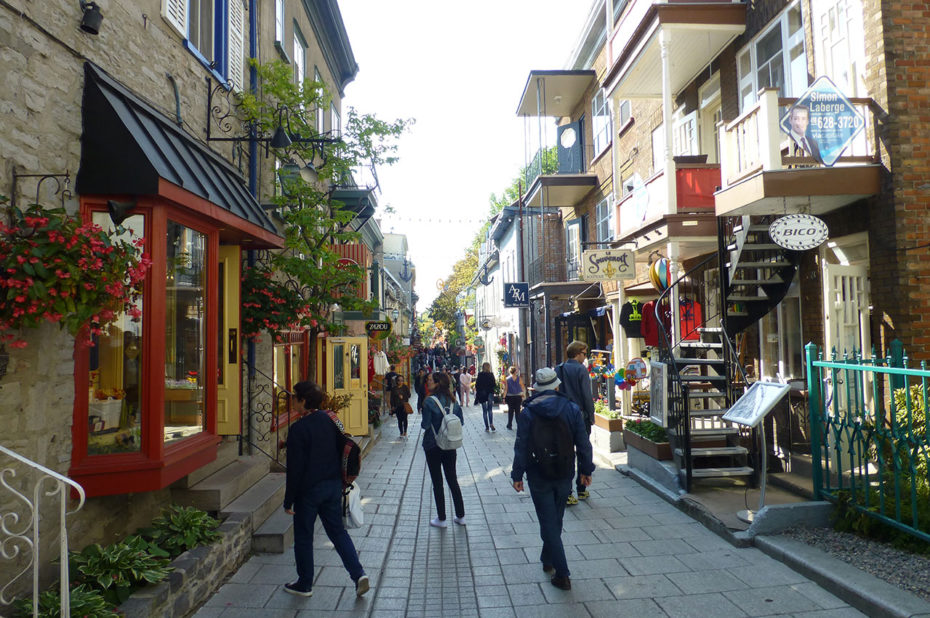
x=605 y=418
x=647 y=437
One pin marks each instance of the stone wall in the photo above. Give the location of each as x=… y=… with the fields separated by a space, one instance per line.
x=197 y=574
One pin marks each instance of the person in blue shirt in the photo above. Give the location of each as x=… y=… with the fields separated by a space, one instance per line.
x=314 y=487
x=549 y=494
x=576 y=384
x=438 y=461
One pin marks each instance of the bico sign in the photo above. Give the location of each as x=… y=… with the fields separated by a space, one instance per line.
x=798 y=232
x=607 y=265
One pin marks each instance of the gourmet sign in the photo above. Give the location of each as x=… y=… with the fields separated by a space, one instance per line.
x=798 y=232
x=607 y=265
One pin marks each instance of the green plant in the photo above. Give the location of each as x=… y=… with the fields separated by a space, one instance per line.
x=119 y=568
x=57 y=268
x=180 y=528
x=648 y=430
x=85 y=601
x=601 y=407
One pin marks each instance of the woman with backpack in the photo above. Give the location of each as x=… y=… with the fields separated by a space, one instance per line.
x=439 y=402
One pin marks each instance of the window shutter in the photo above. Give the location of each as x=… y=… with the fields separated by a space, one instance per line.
x=236 y=43
x=175 y=13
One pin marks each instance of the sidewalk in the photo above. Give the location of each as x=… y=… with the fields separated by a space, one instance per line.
x=630 y=552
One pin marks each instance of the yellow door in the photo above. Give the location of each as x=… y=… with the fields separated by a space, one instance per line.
x=347 y=374
x=227 y=362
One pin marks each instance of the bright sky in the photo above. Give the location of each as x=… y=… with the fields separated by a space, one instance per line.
x=459 y=69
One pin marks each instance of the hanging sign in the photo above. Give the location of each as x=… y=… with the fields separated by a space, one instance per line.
x=798 y=232
x=607 y=265
x=516 y=294
x=378 y=330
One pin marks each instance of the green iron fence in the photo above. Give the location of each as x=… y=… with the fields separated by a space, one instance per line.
x=869 y=435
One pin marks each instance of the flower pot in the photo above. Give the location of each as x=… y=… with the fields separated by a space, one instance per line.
x=657 y=450
x=610 y=424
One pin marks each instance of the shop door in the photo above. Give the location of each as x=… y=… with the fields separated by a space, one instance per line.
x=347 y=374
x=846 y=296
x=227 y=361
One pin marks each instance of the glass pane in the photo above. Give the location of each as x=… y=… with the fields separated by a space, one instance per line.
x=339 y=375
x=768 y=46
x=768 y=330
x=221 y=356
x=185 y=332
x=794 y=344
x=279 y=376
x=355 y=362
x=114 y=405
x=794 y=19
x=296 y=375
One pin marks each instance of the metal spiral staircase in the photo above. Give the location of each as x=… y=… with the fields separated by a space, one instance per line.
x=719 y=298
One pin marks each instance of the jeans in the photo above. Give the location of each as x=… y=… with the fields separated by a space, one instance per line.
x=549 y=498
x=436 y=458
x=323 y=499
x=578 y=485
x=487 y=411
x=401 y=419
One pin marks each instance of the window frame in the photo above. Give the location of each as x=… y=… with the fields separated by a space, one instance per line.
x=227 y=18
x=279 y=21
x=748 y=84
x=601 y=122
x=604 y=212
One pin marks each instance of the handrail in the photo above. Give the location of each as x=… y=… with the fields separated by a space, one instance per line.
x=9 y=547
x=269 y=415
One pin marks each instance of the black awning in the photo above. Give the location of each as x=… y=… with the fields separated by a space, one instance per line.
x=127 y=146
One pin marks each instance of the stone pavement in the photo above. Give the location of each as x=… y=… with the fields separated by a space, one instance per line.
x=630 y=552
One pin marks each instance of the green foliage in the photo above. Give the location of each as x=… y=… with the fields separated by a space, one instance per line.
x=600 y=407
x=648 y=430
x=119 y=568
x=85 y=601
x=851 y=515
x=180 y=528
x=446 y=304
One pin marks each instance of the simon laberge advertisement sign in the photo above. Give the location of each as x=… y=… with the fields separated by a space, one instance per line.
x=822 y=122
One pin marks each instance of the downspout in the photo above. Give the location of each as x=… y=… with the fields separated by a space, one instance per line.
x=253 y=189
x=522 y=313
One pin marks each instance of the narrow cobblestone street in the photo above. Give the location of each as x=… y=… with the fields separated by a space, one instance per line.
x=630 y=552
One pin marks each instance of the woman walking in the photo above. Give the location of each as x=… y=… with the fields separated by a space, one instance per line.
x=419 y=385
x=400 y=407
x=465 y=379
x=514 y=396
x=438 y=461
x=484 y=394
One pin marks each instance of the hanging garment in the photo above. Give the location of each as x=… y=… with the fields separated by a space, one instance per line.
x=649 y=327
x=691 y=319
x=631 y=318
x=381 y=363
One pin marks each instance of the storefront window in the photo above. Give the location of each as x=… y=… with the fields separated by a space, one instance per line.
x=339 y=376
x=115 y=393
x=185 y=332
x=780 y=339
x=355 y=366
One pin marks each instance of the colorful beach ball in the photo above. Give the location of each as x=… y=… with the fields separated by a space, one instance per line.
x=660 y=274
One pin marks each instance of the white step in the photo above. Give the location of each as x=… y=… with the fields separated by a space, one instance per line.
x=773 y=280
x=260 y=500
x=220 y=488
x=712 y=451
x=275 y=535
x=717 y=472
x=772 y=264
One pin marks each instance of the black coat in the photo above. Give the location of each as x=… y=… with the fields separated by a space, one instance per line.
x=484 y=386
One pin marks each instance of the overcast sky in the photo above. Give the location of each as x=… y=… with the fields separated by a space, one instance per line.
x=459 y=69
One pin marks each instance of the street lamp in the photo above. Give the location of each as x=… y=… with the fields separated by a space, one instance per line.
x=394 y=314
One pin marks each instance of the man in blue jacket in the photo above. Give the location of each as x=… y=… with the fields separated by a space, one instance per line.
x=576 y=384
x=314 y=487
x=549 y=494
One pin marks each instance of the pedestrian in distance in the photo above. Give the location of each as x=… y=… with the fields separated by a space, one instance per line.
x=314 y=487
x=550 y=435
x=441 y=462
x=484 y=394
x=456 y=374
x=389 y=379
x=464 y=385
x=419 y=385
x=400 y=406
x=514 y=396
x=576 y=384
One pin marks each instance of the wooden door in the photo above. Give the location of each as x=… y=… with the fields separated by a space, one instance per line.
x=347 y=374
x=228 y=391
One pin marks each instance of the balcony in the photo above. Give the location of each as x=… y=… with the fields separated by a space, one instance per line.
x=762 y=174
x=644 y=211
x=694 y=33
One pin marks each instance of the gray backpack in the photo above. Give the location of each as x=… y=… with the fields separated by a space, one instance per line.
x=449 y=436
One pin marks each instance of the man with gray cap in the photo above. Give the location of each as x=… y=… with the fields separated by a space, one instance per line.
x=550 y=431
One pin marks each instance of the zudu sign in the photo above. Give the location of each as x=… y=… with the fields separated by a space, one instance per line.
x=798 y=232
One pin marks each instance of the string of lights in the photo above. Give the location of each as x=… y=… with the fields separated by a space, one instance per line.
x=440 y=220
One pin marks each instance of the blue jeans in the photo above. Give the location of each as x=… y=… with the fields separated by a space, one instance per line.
x=487 y=409
x=549 y=499
x=323 y=499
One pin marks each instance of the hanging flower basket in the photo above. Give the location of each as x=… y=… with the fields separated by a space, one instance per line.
x=55 y=268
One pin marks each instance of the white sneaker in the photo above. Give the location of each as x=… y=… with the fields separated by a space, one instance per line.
x=439 y=523
x=459 y=520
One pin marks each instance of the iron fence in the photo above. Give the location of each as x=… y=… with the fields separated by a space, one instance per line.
x=869 y=436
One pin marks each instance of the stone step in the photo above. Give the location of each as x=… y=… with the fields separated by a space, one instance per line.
x=260 y=500
x=213 y=493
x=275 y=535
x=226 y=453
x=719 y=472
x=714 y=451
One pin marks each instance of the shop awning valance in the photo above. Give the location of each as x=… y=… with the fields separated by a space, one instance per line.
x=129 y=148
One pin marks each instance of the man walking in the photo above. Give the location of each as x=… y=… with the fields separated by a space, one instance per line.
x=314 y=487
x=550 y=432
x=577 y=386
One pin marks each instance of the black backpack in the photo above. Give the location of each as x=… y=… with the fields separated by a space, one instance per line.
x=552 y=447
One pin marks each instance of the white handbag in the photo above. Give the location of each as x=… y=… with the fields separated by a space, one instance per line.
x=352 y=514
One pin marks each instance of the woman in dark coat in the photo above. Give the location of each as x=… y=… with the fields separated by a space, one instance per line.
x=419 y=385
x=484 y=394
x=400 y=395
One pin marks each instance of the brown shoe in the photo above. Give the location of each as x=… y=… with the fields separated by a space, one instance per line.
x=562 y=583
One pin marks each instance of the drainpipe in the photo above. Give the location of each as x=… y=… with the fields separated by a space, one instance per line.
x=253 y=189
